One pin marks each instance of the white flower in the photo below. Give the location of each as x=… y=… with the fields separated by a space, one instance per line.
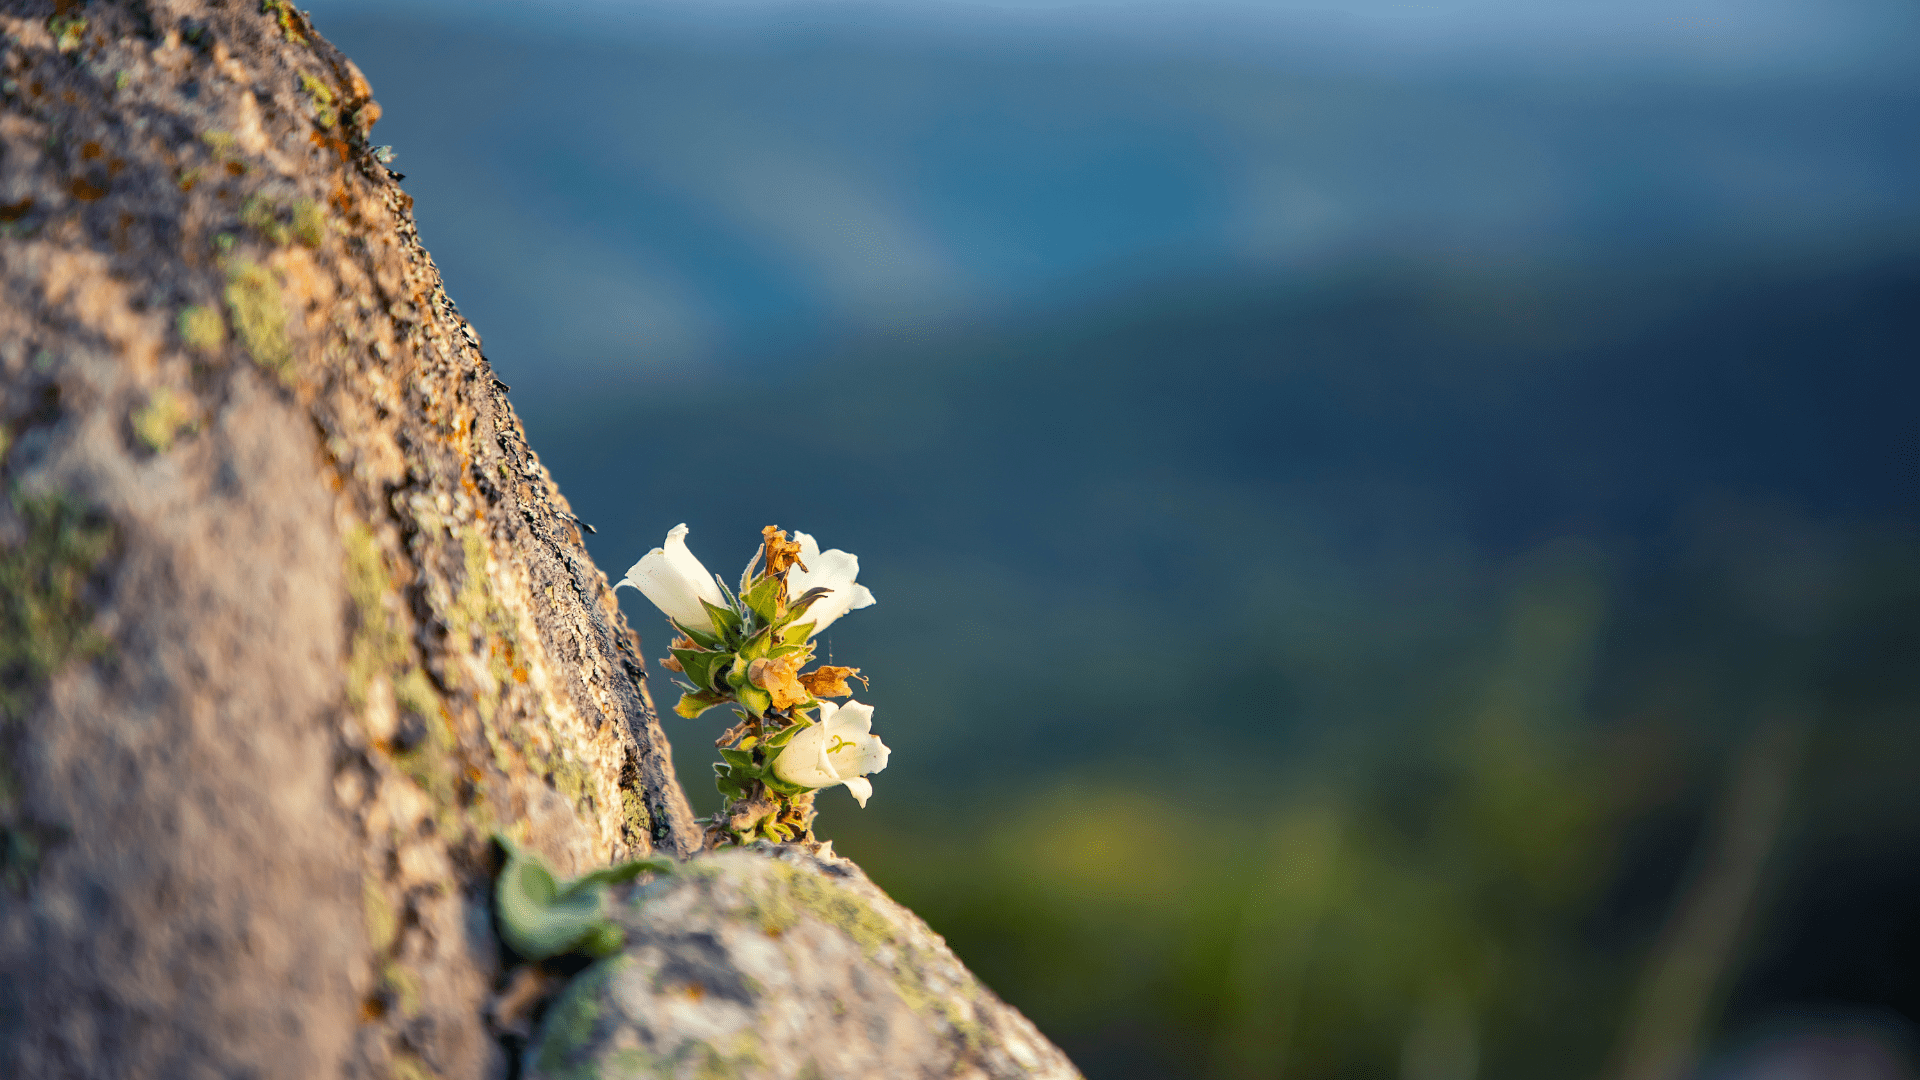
x=840 y=749
x=826 y=569
x=676 y=582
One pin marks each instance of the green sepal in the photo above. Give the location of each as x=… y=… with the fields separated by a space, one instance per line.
x=785 y=735
x=797 y=633
x=756 y=700
x=726 y=619
x=692 y=705
x=773 y=781
x=806 y=600
x=763 y=599
x=699 y=637
x=782 y=787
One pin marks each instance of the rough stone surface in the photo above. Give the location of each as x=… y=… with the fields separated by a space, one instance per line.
x=307 y=619
x=774 y=963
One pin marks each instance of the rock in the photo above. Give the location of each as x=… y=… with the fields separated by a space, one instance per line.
x=772 y=963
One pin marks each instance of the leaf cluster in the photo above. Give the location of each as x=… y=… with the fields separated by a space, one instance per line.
x=540 y=917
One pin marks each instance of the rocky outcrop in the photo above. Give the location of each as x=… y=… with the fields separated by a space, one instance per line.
x=300 y=619
x=774 y=963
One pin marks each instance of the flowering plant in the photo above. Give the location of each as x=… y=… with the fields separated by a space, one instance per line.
x=746 y=649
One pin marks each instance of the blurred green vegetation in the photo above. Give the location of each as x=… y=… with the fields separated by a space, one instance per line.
x=1349 y=680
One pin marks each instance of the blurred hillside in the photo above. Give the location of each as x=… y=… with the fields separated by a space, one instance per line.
x=1350 y=527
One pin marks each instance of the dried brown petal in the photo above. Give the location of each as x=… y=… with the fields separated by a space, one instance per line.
x=829 y=681
x=776 y=677
x=781 y=553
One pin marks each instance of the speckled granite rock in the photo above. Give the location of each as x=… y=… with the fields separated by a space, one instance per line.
x=292 y=619
x=773 y=963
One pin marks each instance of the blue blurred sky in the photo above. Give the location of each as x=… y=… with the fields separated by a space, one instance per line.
x=730 y=181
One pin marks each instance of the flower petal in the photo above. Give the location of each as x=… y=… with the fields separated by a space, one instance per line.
x=847 y=721
x=832 y=569
x=675 y=582
x=804 y=760
x=704 y=584
x=861 y=790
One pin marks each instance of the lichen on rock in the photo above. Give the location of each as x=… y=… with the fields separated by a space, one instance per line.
x=770 y=962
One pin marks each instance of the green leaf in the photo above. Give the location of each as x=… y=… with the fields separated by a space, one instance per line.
x=764 y=598
x=698 y=637
x=758 y=645
x=790 y=650
x=536 y=918
x=741 y=761
x=723 y=779
x=732 y=600
x=727 y=619
x=692 y=705
x=604 y=940
x=797 y=633
x=746 y=576
x=701 y=664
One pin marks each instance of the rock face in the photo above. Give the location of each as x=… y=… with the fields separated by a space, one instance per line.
x=291 y=618
x=774 y=963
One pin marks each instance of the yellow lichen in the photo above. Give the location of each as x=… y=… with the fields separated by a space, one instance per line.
x=260 y=317
x=202 y=329
x=220 y=142
x=284 y=13
x=260 y=213
x=383 y=924
x=322 y=97
x=166 y=414
x=636 y=823
x=375 y=640
x=404 y=985
x=69 y=33
x=405 y=1066
x=309 y=223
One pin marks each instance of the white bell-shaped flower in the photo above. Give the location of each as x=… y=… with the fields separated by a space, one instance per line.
x=675 y=582
x=833 y=570
x=840 y=749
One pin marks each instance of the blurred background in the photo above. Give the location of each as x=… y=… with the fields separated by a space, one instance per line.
x=1395 y=525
